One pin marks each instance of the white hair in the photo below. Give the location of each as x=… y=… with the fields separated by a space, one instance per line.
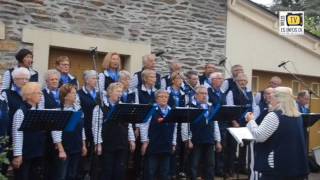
x=124 y=74
x=160 y=91
x=20 y=71
x=216 y=75
x=51 y=72
x=146 y=58
x=87 y=74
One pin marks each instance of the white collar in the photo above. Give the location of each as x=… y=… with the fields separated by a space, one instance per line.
x=180 y=90
x=129 y=91
x=143 y=88
x=84 y=89
x=213 y=90
x=106 y=73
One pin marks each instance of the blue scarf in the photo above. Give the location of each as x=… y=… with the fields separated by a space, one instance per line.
x=114 y=75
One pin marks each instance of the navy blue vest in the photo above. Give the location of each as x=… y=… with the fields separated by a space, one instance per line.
x=72 y=140
x=131 y=98
x=288 y=145
x=87 y=105
x=216 y=98
x=49 y=101
x=160 y=135
x=145 y=98
x=107 y=81
x=232 y=85
x=71 y=81
x=14 y=103
x=240 y=99
x=303 y=109
x=4 y=118
x=114 y=134
x=172 y=101
x=202 y=79
x=34 y=143
x=190 y=93
x=167 y=80
x=202 y=133
x=33 y=78
x=158 y=80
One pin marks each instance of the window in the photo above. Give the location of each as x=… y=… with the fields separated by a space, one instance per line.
x=295 y=87
x=255 y=84
x=315 y=87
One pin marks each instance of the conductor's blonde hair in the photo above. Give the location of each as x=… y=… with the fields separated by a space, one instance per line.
x=286 y=102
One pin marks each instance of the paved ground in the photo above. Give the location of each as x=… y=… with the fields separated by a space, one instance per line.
x=312 y=176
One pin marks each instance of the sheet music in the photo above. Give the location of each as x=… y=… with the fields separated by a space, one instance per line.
x=241 y=133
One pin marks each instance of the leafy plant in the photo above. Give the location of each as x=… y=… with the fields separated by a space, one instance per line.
x=3 y=155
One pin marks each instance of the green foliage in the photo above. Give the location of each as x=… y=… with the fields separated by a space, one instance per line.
x=3 y=155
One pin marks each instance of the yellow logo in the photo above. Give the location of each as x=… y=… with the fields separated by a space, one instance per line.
x=294 y=19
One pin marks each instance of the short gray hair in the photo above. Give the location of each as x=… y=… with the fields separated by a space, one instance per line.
x=87 y=74
x=124 y=74
x=146 y=73
x=146 y=58
x=216 y=75
x=160 y=91
x=51 y=72
x=242 y=75
x=201 y=87
x=20 y=71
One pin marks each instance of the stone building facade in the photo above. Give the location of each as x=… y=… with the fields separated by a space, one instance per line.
x=193 y=31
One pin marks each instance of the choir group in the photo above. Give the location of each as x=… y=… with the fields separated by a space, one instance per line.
x=102 y=149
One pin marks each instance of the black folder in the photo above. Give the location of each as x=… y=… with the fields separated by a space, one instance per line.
x=183 y=115
x=129 y=113
x=50 y=120
x=229 y=113
x=310 y=118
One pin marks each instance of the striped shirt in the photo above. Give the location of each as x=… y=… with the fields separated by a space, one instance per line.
x=263 y=132
x=6 y=81
x=17 y=136
x=267 y=127
x=134 y=82
x=57 y=135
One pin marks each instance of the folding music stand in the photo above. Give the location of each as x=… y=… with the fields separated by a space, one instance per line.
x=183 y=115
x=310 y=118
x=227 y=114
x=129 y=113
x=49 y=120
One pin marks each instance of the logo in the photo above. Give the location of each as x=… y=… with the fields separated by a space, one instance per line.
x=291 y=22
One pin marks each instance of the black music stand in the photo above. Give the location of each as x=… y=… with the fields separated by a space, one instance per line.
x=227 y=114
x=230 y=113
x=183 y=115
x=129 y=113
x=310 y=118
x=49 y=120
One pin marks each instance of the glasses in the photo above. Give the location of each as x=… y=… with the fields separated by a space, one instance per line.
x=26 y=79
x=64 y=64
x=203 y=93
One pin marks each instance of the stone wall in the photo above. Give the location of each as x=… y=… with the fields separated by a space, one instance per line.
x=193 y=31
